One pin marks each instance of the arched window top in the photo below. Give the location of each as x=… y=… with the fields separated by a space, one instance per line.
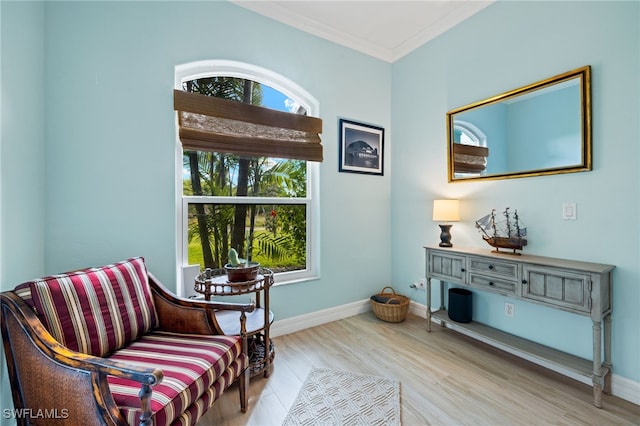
x=228 y=68
x=468 y=134
x=215 y=123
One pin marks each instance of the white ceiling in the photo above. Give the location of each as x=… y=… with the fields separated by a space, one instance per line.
x=387 y=30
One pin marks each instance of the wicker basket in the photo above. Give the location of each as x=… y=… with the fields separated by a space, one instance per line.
x=394 y=309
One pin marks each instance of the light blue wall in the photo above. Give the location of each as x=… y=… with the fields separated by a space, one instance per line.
x=100 y=155
x=91 y=177
x=553 y=139
x=23 y=142
x=111 y=135
x=508 y=45
x=22 y=148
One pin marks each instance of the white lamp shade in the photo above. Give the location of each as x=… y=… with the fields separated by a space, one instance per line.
x=446 y=211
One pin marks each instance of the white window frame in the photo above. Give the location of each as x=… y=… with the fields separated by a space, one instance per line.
x=226 y=68
x=472 y=131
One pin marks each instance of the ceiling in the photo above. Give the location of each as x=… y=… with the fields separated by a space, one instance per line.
x=387 y=30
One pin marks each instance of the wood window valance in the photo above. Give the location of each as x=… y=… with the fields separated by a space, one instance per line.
x=469 y=158
x=208 y=123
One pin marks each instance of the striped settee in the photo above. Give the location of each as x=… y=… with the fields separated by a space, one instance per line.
x=112 y=346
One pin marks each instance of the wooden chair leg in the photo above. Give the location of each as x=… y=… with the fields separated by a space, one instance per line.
x=243 y=390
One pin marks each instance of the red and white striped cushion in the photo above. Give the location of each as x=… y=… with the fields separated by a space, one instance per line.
x=99 y=310
x=196 y=368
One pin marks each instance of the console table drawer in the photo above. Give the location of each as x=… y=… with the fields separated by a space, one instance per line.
x=492 y=283
x=562 y=288
x=493 y=267
x=450 y=268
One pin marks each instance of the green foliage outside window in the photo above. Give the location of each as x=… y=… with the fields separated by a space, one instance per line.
x=274 y=234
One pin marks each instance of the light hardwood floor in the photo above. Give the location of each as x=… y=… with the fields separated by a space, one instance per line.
x=446 y=379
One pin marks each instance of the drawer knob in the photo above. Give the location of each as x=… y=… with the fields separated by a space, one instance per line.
x=490 y=266
x=524 y=281
x=491 y=283
x=462 y=270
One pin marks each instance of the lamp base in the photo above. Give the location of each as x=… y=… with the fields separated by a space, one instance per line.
x=445 y=236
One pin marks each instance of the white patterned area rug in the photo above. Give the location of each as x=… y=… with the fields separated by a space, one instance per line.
x=332 y=397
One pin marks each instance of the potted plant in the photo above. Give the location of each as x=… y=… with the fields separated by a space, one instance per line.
x=240 y=270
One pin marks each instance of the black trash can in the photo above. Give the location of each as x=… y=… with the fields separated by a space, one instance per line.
x=460 y=307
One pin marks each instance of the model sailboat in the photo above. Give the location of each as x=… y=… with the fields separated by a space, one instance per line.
x=503 y=230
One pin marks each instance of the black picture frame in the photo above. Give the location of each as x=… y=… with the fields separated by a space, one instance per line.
x=361 y=148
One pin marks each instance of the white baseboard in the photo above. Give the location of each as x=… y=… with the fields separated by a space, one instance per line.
x=625 y=388
x=418 y=309
x=301 y=322
x=621 y=387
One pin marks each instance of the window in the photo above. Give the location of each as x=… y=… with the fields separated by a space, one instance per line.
x=263 y=206
x=469 y=148
x=468 y=134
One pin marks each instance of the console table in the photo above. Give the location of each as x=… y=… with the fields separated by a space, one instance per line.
x=578 y=287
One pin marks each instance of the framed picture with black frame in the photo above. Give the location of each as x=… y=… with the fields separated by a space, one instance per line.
x=361 y=148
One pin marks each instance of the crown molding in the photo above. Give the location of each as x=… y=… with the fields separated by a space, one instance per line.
x=449 y=14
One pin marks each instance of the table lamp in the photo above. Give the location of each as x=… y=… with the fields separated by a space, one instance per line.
x=445 y=211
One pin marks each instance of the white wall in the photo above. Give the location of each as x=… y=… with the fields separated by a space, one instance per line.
x=505 y=46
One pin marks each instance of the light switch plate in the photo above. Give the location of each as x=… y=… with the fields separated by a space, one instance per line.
x=569 y=211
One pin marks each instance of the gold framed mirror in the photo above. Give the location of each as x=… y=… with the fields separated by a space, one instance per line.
x=540 y=129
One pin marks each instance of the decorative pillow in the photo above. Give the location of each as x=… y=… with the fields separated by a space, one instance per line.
x=99 y=310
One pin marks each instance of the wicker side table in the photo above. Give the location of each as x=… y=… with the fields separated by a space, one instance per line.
x=261 y=349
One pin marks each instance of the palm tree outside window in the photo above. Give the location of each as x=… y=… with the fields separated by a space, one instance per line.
x=263 y=207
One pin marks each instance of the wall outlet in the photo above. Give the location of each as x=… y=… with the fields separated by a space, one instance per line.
x=421 y=284
x=509 y=309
